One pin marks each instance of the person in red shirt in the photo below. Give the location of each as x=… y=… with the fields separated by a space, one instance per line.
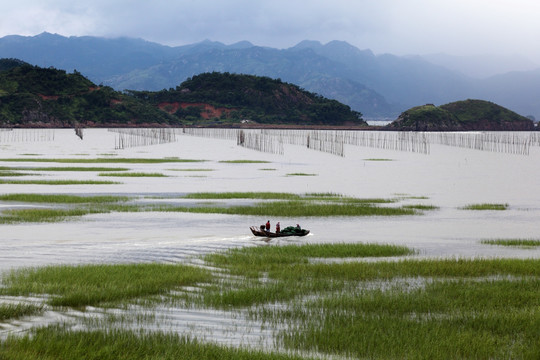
x=268 y=225
x=278 y=228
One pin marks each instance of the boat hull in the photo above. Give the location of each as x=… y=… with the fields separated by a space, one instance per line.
x=258 y=232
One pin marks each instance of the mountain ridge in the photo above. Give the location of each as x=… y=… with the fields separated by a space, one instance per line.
x=382 y=85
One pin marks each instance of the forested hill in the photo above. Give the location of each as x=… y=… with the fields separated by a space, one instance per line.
x=461 y=116
x=31 y=96
x=247 y=97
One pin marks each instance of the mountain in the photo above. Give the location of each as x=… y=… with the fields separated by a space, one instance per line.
x=464 y=115
x=32 y=96
x=379 y=86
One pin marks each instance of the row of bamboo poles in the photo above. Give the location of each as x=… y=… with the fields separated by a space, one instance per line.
x=133 y=137
x=26 y=135
x=504 y=142
x=329 y=141
x=260 y=142
x=333 y=141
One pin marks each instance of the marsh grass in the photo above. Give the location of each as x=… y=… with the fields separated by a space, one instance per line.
x=77 y=168
x=62 y=199
x=421 y=207
x=132 y=174
x=12 y=173
x=105 y=160
x=12 y=216
x=36 y=215
x=378 y=159
x=411 y=308
x=435 y=309
x=244 y=195
x=79 y=286
x=300 y=174
x=285 y=205
x=16 y=311
x=63 y=168
x=245 y=162
x=497 y=207
x=512 y=242
x=191 y=170
x=59 y=342
x=297 y=208
x=262 y=259
x=58 y=182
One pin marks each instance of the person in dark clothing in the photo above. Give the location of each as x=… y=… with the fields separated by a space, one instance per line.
x=278 y=228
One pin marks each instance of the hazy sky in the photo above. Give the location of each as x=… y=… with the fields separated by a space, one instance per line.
x=401 y=27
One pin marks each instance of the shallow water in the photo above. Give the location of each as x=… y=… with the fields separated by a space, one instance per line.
x=447 y=177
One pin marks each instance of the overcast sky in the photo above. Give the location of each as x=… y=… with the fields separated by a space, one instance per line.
x=401 y=27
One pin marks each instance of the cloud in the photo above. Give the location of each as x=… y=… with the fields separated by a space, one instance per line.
x=396 y=26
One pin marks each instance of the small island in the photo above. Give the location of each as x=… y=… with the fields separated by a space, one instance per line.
x=467 y=115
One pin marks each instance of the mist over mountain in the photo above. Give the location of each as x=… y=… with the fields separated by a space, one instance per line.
x=379 y=86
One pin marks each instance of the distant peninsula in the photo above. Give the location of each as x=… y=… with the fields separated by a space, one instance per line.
x=466 y=115
x=32 y=96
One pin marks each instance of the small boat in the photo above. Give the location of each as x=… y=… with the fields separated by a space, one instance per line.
x=288 y=231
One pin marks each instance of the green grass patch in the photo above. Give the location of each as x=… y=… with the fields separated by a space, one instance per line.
x=58 y=182
x=497 y=207
x=512 y=242
x=36 y=215
x=78 y=168
x=132 y=174
x=262 y=259
x=411 y=308
x=78 y=286
x=58 y=342
x=64 y=168
x=191 y=170
x=105 y=160
x=268 y=169
x=245 y=162
x=62 y=199
x=378 y=159
x=15 y=311
x=421 y=207
x=297 y=208
x=244 y=195
x=12 y=173
x=300 y=174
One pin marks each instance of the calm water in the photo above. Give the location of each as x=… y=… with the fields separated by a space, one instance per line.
x=447 y=177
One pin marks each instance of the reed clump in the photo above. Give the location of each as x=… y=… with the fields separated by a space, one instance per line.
x=487 y=206
x=16 y=311
x=60 y=342
x=78 y=286
x=62 y=198
x=132 y=174
x=104 y=160
x=57 y=182
x=512 y=242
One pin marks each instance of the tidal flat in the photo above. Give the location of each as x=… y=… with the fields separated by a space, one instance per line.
x=347 y=290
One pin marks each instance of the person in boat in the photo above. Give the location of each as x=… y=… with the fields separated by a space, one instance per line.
x=268 y=225
x=298 y=227
x=278 y=227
